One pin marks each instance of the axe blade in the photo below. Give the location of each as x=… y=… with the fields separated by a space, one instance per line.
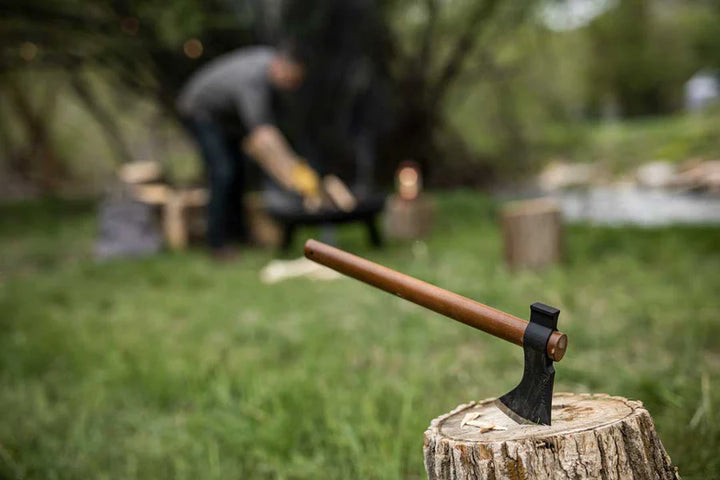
x=531 y=401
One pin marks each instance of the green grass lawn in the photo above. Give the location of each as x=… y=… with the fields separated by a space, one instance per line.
x=175 y=367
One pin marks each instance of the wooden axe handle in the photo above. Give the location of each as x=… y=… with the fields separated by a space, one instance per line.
x=469 y=312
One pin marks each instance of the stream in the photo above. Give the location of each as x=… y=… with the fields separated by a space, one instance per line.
x=631 y=205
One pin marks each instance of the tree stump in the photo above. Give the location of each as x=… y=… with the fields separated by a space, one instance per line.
x=408 y=219
x=532 y=233
x=591 y=437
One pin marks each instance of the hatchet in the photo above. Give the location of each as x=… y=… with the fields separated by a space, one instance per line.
x=531 y=401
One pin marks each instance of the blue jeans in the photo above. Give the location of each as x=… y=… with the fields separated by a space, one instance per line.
x=225 y=166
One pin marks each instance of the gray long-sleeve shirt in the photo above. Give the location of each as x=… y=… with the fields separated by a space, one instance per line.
x=233 y=86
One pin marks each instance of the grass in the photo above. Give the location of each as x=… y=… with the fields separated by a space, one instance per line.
x=175 y=367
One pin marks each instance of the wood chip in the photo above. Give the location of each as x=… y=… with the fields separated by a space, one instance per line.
x=279 y=270
x=468 y=417
x=472 y=420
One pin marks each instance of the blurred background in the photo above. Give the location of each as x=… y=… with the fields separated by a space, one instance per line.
x=174 y=366
x=477 y=92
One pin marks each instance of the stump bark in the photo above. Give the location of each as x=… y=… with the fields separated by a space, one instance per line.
x=591 y=437
x=532 y=233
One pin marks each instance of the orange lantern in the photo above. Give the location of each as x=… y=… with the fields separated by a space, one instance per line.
x=408 y=180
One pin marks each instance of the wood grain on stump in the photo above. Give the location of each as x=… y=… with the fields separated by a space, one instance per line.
x=591 y=437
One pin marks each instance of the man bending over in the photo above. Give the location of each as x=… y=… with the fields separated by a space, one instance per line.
x=227 y=106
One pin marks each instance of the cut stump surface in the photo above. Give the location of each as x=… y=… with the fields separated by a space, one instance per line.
x=591 y=437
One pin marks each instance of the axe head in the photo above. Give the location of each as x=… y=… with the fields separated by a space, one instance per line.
x=531 y=401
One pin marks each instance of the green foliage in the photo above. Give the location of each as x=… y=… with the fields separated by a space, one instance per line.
x=139 y=45
x=178 y=367
x=539 y=94
x=186 y=19
x=521 y=96
x=472 y=82
x=643 y=54
x=703 y=31
x=621 y=147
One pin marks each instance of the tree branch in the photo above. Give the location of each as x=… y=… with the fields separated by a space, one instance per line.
x=425 y=57
x=44 y=14
x=37 y=122
x=105 y=120
x=464 y=46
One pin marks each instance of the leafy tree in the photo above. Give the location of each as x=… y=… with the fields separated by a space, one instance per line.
x=148 y=48
x=434 y=43
x=140 y=48
x=643 y=53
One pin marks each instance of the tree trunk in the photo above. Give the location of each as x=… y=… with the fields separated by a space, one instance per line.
x=591 y=437
x=38 y=158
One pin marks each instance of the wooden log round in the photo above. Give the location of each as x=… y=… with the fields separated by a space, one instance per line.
x=409 y=219
x=591 y=437
x=532 y=233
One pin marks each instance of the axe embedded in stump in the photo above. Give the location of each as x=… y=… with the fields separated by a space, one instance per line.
x=531 y=401
x=592 y=436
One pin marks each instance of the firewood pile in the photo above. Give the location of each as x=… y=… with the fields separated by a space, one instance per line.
x=180 y=208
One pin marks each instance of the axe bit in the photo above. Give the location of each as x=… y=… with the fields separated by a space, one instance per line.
x=531 y=401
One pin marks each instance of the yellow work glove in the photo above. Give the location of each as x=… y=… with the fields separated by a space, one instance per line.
x=305 y=180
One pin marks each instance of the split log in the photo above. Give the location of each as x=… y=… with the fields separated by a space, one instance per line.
x=152 y=193
x=177 y=215
x=174 y=225
x=591 y=437
x=136 y=173
x=532 y=233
